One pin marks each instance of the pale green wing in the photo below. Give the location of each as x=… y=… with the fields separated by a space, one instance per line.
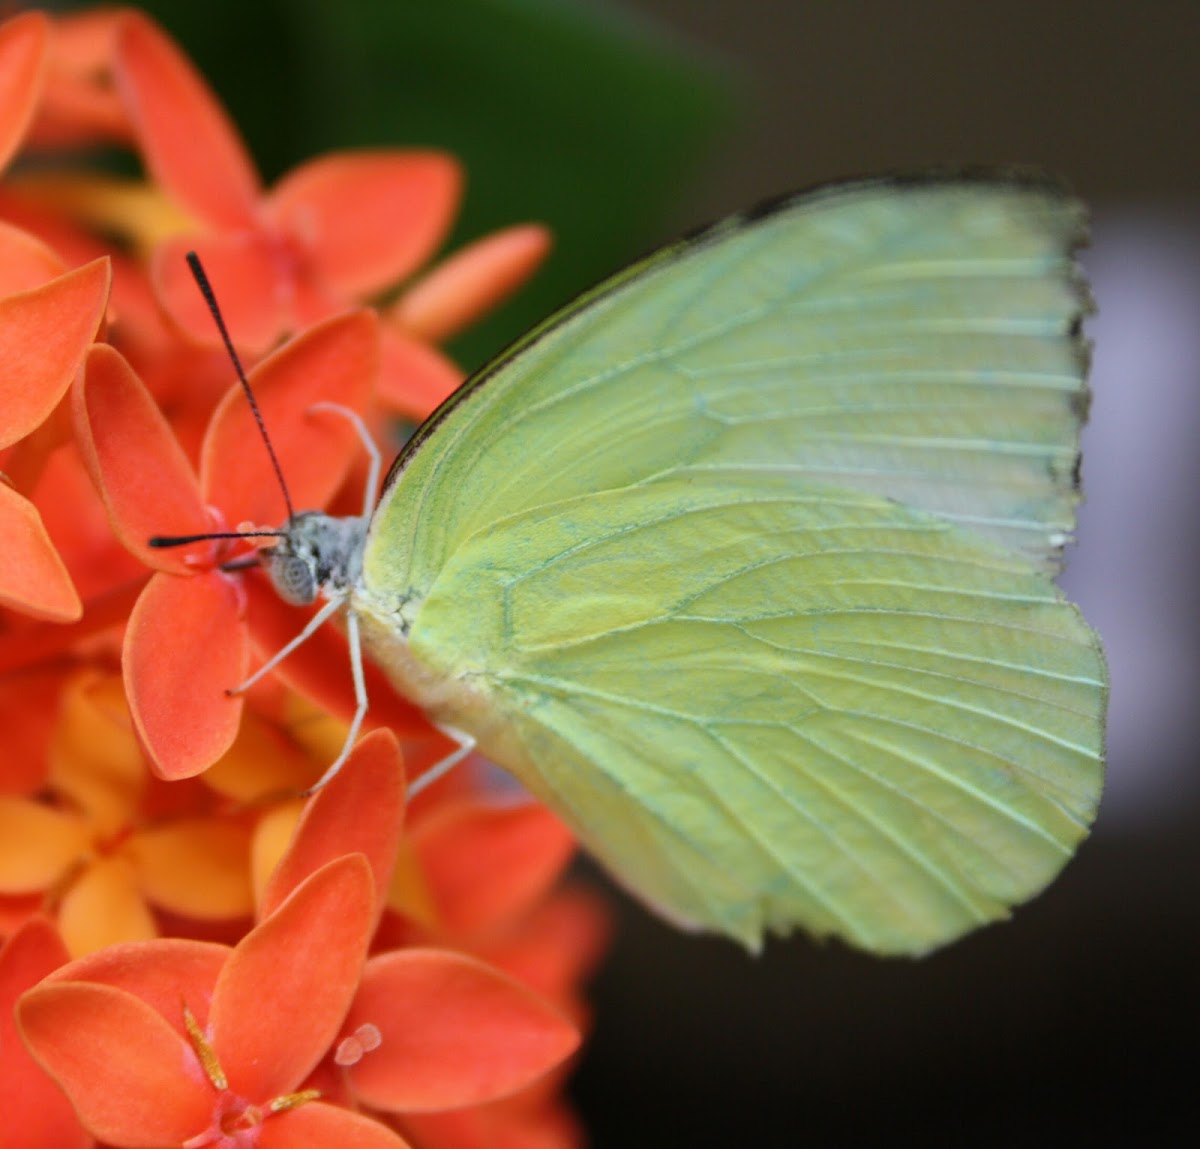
x=767 y=703
x=914 y=338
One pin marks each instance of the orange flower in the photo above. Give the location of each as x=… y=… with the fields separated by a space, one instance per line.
x=335 y=231
x=280 y=260
x=403 y=1049
x=104 y=844
x=285 y=259
x=187 y=640
x=474 y=874
x=188 y=1042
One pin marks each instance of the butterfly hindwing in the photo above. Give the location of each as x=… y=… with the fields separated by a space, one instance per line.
x=770 y=703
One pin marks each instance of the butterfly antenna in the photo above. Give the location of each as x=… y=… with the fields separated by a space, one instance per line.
x=210 y=298
x=163 y=541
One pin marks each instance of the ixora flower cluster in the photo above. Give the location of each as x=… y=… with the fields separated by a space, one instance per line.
x=194 y=956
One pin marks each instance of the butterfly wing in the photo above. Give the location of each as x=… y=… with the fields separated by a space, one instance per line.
x=765 y=702
x=646 y=561
x=915 y=338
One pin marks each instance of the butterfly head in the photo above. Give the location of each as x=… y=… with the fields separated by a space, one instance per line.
x=317 y=554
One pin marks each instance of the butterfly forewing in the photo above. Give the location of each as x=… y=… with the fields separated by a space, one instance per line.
x=916 y=339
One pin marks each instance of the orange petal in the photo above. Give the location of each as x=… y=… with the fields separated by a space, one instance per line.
x=147 y=484
x=361 y=808
x=414 y=378
x=261 y=764
x=455 y=1032
x=26 y=461
x=95 y=762
x=272 y=837
x=310 y=301
x=29 y=701
x=555 y=948
x=320 y=1126
x=199 y=867
x=17 y=909
x=79 y=106
x=32 y=953
x=185 y=646
x=488 y=864
x=368 y=219
x=335 y=362
x=74 y=515
x=33 y=578
x=165 y=973
x=25 y=261
x=132 y=1079
x=104 y=906
x=38 y=641
x=245 y=276
x=34 y=1109
x=507 y=1123
x=471 y=282
x=38 y=844
x=409 y=895
x=78 y=111
x=189 y=143
x=43 y=336
x=320 y=734
x=24 y=51
x=282 y=996
x=83 y=41
x=22 y=205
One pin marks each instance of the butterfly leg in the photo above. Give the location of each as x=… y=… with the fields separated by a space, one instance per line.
x=368 y=446
x=465 y=745
x=360 y=703
x=313 y=625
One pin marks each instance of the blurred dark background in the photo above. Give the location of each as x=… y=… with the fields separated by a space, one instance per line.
x=623 y=123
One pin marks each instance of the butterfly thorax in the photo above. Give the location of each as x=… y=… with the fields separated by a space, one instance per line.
x=318 y=554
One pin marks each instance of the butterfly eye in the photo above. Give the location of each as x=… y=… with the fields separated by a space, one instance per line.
x=294 y=578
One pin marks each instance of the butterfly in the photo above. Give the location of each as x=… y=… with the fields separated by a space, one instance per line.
x=743 y=563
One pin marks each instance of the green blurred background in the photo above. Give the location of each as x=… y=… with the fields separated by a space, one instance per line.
x=622 y=123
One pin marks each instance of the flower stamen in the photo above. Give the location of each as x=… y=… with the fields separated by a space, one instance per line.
x=205 y=1053
x=291 y=1100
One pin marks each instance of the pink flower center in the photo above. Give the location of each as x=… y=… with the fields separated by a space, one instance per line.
x=237 y=1123
x=239 y=1117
